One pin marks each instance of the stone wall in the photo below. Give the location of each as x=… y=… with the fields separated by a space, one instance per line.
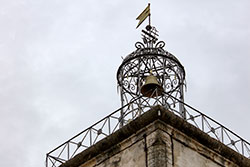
x=158 y=140
x=159 y=145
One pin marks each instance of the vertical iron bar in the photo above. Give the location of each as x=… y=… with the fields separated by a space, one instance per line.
x=46 y=162
x=202 y=122
x=181 y=105
x=122 y=103
x=109 y=125
x=222 y=137
x=242 y=147
x=90 y=136
x=163 y=80
x=68 y=150
x=149 y=19
x=139 y=86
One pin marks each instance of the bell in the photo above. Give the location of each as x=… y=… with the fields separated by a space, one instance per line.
x=151 y=88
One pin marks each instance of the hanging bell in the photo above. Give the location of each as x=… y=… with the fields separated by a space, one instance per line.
x=151 y=88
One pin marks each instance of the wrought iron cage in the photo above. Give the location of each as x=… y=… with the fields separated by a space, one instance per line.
x=150 y=58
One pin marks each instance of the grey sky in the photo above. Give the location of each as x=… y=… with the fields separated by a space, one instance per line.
x=58 y=63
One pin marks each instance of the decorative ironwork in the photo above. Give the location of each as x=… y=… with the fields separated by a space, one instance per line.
x=151 y=59
x=110 y=124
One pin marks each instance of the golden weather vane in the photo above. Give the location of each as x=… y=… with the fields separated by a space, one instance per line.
x=144 y=15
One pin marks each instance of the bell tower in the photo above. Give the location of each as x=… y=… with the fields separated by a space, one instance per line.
x=154 y=126
x=150 y=76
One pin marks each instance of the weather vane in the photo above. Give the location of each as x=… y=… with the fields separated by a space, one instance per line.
x=144 y=15
x=150 y=36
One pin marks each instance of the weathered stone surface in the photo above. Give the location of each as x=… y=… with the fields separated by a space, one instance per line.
x=158 y=138
x=184 y=156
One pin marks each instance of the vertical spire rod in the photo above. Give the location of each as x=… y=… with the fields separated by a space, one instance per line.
x=149 y=17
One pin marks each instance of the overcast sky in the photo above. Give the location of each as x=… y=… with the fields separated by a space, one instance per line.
x=58 y=63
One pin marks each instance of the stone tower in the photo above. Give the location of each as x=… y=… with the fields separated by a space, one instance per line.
x=154 y=127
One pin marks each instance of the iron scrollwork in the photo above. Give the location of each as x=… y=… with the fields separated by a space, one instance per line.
x=139 y=45
x=160 y=44
x=150 y=58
